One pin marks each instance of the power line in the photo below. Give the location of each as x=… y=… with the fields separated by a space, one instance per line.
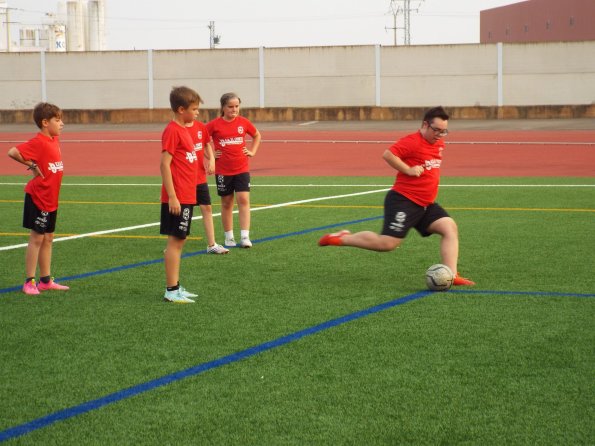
x=405 y=9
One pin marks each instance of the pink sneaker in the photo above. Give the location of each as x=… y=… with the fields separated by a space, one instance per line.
x=51 y=285
x=30 y=288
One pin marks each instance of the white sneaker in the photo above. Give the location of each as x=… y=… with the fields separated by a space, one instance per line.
x=176 y=297
x=187 y=293
x=245 y=243
x=217 y=249
x=230 y=242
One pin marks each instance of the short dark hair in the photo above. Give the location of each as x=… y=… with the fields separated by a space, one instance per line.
x=183 y=97
x=436 y=112
x=45 y=110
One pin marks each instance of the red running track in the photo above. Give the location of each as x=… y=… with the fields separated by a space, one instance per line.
x=344 y=153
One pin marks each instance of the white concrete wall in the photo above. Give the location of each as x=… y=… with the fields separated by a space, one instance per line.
x=320 y=76
x=549 y=74
x=414 y=76
x=20 y=80
x=97 y=80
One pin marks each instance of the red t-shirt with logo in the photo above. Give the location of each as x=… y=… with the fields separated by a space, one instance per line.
x=414 y=150
x=176 y=141
x=45 y=151
x=230 y=138
x=200 y=138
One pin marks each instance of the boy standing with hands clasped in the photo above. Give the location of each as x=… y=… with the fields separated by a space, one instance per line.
x=178 y=191
x=43 y=158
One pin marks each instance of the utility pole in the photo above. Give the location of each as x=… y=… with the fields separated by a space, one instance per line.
x=405 y=9
x=213 y=38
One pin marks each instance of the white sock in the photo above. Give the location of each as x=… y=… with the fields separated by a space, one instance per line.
x=228 y=235
x=245 y=233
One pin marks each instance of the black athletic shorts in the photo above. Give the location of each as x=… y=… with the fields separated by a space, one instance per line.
x=203 y=197
x=401 y=214
x=37 y=220
x=176 y=225
x=228 y=184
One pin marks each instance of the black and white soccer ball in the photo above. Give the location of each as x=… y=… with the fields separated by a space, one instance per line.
x=439 y=277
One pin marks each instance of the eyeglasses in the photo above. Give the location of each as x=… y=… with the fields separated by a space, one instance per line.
x=441 y=132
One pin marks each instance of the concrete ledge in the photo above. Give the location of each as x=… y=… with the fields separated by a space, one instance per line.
x=142 y=116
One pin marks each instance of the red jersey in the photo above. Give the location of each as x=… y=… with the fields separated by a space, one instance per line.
x=176 y=141
x=414 y=150
x=200 y=138
x=230 y=138
x=45 y=151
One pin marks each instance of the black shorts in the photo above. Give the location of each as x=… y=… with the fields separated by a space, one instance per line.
x=402 y=214
x=228 y=184
x=37 y=220
x=203 y=197
x=176 y=225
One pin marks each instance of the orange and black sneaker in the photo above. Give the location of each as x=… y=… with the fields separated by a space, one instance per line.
x=462 y=281
x=333 y=239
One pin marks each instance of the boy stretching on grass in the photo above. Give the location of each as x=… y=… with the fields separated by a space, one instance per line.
x=178 y=192
x=43 y=158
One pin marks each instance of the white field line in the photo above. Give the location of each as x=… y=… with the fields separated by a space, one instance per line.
x=321 y=185
x=148 y=225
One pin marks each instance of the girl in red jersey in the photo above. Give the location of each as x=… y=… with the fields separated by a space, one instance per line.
x=43 y=157
x=410 y=203
x=232 y=170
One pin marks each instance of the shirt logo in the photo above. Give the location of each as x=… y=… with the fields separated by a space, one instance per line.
x=199 y=134
x=198 y=147
x=433 y=164
x=231 y=141
x=191 y=157
x=58 y=166
x=240 y=129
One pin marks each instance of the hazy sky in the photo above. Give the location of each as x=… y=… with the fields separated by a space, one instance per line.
x=171 y=24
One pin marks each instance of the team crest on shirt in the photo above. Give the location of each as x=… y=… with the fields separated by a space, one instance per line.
x=58 y=166
x=199 y=134
x=191 y=157
x=240 y=129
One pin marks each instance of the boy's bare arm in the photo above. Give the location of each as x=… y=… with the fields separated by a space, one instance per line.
x=209 y=159
x=14 y=153
x=168 y=183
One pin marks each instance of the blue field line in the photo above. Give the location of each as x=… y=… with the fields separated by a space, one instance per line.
x=88 y=406
x=192 y=254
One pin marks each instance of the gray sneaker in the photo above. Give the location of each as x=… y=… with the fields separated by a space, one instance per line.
x=245 y=243
x=176 y=297
x=230 y=242
x=217 y=249
x=187 y=293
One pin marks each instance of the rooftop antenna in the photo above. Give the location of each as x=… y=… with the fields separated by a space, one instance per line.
x=213 y=38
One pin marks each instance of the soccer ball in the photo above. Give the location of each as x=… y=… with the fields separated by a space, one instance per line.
x=439 y=277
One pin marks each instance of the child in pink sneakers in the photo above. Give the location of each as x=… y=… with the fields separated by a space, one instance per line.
x=43 y=158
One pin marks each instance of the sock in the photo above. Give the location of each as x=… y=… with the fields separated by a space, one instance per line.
x=228 y=235
x=45 y=279
x=245 y=233
x=29 y=279
x=173 y=288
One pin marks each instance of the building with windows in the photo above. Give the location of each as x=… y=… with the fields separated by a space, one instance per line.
x=539 y=21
